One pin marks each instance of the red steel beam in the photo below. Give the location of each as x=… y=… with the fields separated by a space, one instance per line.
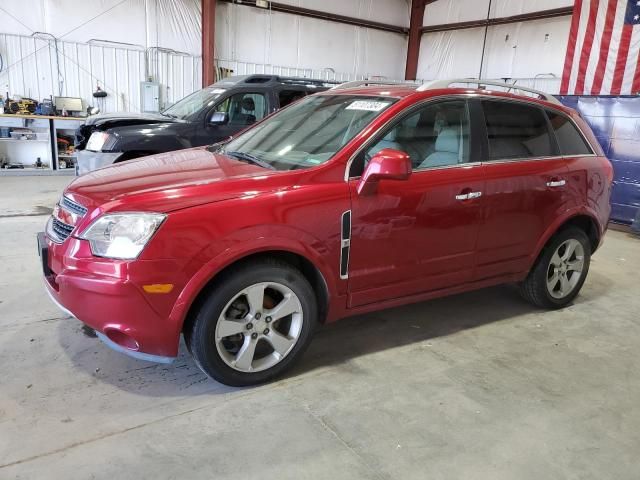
x=330 y=17
x=208 y=41
x=525 y=17
x=415 y=35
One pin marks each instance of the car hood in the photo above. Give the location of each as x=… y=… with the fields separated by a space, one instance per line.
x=170 y=181
x=109 y=120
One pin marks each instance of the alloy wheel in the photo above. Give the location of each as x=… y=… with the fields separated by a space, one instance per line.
x=565 y=269
x=259 y=327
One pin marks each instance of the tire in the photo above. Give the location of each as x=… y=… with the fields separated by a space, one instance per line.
x=240 y=340
x=545 y=286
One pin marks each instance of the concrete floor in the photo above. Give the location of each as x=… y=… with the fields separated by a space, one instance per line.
x=476 y=386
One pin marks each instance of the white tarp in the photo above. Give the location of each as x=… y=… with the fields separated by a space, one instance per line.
x=532 y=51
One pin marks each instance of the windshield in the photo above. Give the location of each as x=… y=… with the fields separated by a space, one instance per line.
x=194 y=103
x=307 y=133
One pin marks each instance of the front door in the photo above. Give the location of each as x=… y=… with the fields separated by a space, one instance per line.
x=418 y=235
x=244 y=109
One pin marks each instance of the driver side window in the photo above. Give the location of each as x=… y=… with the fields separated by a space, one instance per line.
x=244 y=108
x=433 y=136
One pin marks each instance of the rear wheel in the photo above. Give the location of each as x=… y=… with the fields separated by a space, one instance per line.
x=254 y=325
x=560 y=271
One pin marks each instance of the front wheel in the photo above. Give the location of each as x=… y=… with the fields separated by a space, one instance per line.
x=560 y=271
x=254 y=325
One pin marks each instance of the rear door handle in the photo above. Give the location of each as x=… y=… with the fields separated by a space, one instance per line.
x=556 y=183
x=468 y=196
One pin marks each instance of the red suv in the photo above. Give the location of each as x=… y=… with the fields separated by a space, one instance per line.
x=348 y=201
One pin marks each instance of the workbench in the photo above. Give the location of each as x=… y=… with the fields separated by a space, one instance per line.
x=44 y=146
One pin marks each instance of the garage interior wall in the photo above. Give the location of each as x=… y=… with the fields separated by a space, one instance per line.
x=115 y=44
x=532 y=52
x=259 y=40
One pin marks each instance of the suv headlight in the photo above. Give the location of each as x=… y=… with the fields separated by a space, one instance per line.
x=99 y=141
x=122 y=235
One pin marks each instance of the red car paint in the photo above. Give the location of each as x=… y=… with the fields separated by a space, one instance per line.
x=410 y=241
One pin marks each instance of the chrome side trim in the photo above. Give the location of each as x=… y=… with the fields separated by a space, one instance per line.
x=345 y=244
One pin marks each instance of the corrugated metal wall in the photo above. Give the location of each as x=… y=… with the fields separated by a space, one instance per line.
x=616 y=123
x=38 y=67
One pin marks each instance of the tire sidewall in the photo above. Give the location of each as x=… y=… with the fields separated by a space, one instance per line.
x=202 y=336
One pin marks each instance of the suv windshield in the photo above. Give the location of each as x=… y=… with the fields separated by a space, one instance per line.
x=194 y=103
x=307 y=133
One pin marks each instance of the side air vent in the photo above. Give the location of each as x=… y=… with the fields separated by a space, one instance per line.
x=345 y=244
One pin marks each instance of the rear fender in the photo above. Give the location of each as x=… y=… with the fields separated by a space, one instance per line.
x=558 y=223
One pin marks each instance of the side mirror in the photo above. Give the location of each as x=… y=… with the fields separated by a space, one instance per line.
x=219 y=118
x=387 y=164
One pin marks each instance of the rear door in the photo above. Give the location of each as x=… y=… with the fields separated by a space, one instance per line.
x=526 y=186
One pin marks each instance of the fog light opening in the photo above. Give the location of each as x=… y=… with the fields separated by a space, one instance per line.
x=122 y=339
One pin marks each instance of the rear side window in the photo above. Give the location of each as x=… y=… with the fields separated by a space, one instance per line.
x=285 y=97
x=517 y=131
x=570 y=140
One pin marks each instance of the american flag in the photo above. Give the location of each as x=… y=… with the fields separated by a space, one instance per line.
x=603 y=49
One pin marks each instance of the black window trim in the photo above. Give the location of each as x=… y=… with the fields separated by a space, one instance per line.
x=471 y=98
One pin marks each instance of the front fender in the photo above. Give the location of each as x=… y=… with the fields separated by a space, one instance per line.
x=264 y=240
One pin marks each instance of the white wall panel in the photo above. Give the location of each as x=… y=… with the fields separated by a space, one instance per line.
x=527 y=49
x=394 y=12
x=450 y=54
x=261 y=37
x=453 y=11
x=118 y=71
x=173 y=24
x=507 y=8
x=167 y=32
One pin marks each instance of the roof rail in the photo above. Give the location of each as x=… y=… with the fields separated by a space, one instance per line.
x=475 y=81
x=361 y=83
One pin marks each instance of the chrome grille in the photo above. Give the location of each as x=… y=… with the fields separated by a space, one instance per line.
x=62 y=230
x=72 y=206
x=64 y=219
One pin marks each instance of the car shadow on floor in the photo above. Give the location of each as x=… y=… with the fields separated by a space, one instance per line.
x=333 y=344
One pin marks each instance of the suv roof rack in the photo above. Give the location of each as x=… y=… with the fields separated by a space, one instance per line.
x=361 y=83
x=260 y=78
x=476 y=81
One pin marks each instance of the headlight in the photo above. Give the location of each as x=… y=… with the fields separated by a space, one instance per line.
x=101 y=141
x=122 y=235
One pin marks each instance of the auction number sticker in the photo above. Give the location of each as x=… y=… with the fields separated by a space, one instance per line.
x=367 y=105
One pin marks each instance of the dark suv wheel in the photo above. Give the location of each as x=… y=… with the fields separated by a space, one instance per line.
x=256 y=322
x=560 y=271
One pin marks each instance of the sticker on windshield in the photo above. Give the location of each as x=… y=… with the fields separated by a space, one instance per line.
x=367 y=105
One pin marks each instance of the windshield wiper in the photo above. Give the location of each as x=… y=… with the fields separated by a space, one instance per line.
x=168 y=115
x=250 y=159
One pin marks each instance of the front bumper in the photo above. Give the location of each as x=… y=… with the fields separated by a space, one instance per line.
x=88 y=161
x=108 y=297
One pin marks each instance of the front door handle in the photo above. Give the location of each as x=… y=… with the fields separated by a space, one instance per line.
x=468 y=196
x=556 y=183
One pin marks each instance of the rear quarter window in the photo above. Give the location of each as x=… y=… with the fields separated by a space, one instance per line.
x=570 y=140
